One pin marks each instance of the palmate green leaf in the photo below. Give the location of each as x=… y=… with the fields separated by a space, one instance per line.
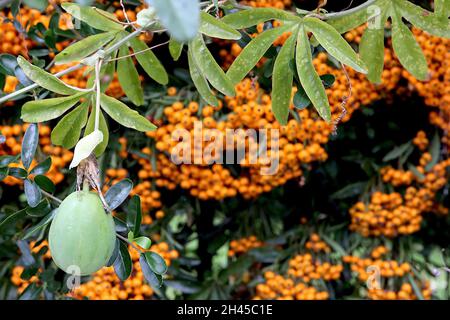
x=124 y=115
x=129 y=77
x=371 y=50
x=29 y=145
x=334 y=44
x=96 y=18
x=424 y=19
x=67 y=132
x=248 y=18
x=209 y=67
x=175 y=49
x=180 y=17
x=253 y=52
x=149 y=62
x=85 y=47
x=200 y=82
x=282 y=79
x=215 y=28
x=407 y=49
x=309 y=78
x=47 y=109
x=103 y=127
x=43 y=78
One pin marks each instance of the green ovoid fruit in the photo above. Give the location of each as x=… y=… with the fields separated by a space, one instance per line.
x=82 y=235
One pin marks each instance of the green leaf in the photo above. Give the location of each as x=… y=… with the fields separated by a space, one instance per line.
x=175 y=49
x=67 y=132
x=43 y=78
x=282 y=79
x=180 y=17
x=209 y=67
x=39 y=226
x=125 y=116
x=149 y=62
x=8 y=64
x=85 y=147
x=350 y=190
x=115 y=254
x=423 y=19
x=40 y=5
x=152 y=278
x=103 y=127
x=309 y=78
x=200 y=82
x=129 y=77
x=301 y=100
x=29 y=145
x=42 y=167
x=334 y=245
x=45 y=183
x=4 y=171
x=18 y=173
x=32 y=193
x=134 y=215
x=407 y=49
x=47 y=109
x=85 y=47
x=156 y=262
x=328 y=80
x=442 y=9
x=247 y=18
x=215 y=28
x=397 y=152
x=118 y=193
x=435 y=151
x=96 y=18
x=253 y=52
x=371 y=50
x=6 y=160
x=11 y=219
x=416 y=289
x=32 y=292
x=334 y=44
x=123 y=264
x=143 y=242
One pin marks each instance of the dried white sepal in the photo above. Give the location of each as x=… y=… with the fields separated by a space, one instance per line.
x=85 y=147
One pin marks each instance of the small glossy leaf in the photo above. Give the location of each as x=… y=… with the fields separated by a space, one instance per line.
x=200 y=82
x=149 y=62
x=67 y=132
x=47 y=109
x=282 y=79
x=115 y=254
x=397 y=152
x=143 y=242
x=248 y=18
x=40 y=210
x=43 y=78
x=134 y=216
x=156 y=262
x=32 y=193
x=125 y=116
x=39 y=226
x=435 y=151
x=371 y=50
x=209 y=67
x=29 y=145
x=8 y=64
x=407 y=49
x=6 y=160
x=85 y=147
x=301 y=100
x=45 y=183
x=103 y=127
x=42 y=167
x=334 y=44
x=328 y=80
x=152 y=278
x=11 y=219
x=252 y=53
x=215 y=28
x=84 y=48
x=18 y=173
x=424 y=19
x=118 y=193
x=129 y=77
x=180 y=17
x=4 y=171
x=309 y=78
x=40 y=5
x=175 y=49
x=96 y=18
x=123 y=264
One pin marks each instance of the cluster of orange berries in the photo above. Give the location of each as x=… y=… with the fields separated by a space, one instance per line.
x=279 y=4
x=12 y=146
x=243 y=245
x=421 y=141
x=304 y=267
x=277 y=287
x=105 y=285
x=316 y=244
x=397 y=177
x=379 y=271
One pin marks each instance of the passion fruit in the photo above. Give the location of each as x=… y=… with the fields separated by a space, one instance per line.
x=82 y=235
